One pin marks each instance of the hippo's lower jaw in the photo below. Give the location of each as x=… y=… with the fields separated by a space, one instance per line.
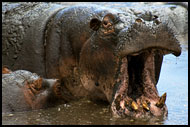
x=137 y=95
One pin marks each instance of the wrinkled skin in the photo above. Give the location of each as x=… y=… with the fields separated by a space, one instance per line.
x=101 y=53
x=23 y=91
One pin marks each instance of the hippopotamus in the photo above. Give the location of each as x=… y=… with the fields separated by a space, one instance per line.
x=24 y=91
x=97 y=52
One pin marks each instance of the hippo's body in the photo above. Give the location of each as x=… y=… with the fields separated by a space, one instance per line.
x=93 y=51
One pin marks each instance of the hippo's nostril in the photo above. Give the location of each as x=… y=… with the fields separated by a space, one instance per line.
x=157 y=21
x=155 y=17
x=96 y=83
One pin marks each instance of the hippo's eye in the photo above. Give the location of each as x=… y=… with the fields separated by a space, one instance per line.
x=105 y=22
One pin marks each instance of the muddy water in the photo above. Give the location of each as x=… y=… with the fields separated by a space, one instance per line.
x=173 y=80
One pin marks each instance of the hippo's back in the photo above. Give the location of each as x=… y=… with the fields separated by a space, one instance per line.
x=23 y=26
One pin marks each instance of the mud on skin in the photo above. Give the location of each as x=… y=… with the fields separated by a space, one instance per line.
x=102 y=53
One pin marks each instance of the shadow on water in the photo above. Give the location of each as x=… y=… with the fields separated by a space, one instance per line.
x=173 y=80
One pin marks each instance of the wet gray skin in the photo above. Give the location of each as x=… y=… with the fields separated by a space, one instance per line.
x=107 y=54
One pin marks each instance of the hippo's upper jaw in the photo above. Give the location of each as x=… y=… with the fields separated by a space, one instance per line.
x=141 y=48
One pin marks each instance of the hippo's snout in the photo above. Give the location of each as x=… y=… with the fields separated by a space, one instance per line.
x=142 y=35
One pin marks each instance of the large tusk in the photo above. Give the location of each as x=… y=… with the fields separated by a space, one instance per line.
x=134 y=105
x=162 y=100
x=145 y=105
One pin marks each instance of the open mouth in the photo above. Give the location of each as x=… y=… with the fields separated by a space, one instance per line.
x=137 y=94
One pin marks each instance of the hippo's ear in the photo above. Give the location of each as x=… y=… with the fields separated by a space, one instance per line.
x=110 y=16
x=38 y=83
x=95 y=24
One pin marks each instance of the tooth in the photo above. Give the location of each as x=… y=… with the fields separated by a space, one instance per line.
x=134 y=105
x=145 y=105
x=122 y=104
x=162 y=100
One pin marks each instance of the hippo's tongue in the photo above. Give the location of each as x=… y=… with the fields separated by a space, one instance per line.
x=137 y=94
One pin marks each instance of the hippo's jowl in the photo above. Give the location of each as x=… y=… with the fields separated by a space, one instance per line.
x=98 y=52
